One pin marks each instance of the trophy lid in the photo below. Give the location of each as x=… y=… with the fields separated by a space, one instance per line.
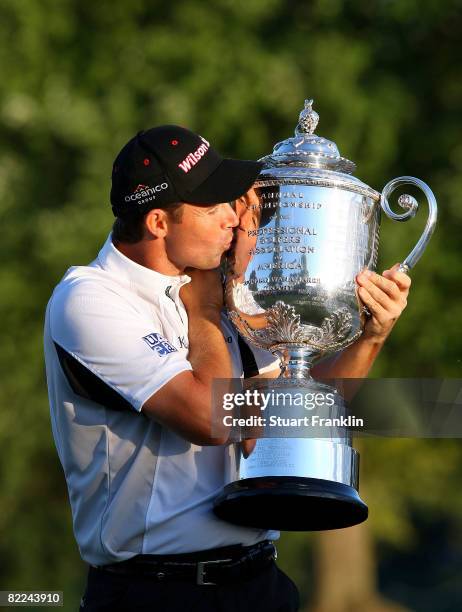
x=308 y=150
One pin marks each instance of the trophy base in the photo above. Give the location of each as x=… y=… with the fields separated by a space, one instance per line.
x=290 y=504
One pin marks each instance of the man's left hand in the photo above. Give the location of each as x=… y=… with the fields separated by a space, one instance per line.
x=386 y=297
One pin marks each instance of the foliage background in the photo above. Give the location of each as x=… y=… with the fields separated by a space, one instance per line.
x=80 y=78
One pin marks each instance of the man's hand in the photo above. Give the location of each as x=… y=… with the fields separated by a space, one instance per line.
x=247 y=447
x=386 y=297
x=204 y=294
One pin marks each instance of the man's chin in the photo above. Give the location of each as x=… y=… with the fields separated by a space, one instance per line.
x=207 y=266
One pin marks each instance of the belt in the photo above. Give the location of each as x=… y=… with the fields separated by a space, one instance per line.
x=237 y=562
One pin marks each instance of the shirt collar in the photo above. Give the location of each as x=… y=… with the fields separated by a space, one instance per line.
x=145 y=282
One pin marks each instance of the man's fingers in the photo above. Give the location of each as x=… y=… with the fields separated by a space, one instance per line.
x=379 y=296
x=247 y=446
x=384 y=296
x=400 y=278
x=382 y=289
x=375 y=308
x=393 y=283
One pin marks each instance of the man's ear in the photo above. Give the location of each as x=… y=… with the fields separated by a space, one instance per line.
x=156 y=222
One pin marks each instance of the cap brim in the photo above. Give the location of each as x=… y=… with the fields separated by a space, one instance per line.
x=229 y=181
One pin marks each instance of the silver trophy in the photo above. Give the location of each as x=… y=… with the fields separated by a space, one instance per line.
x=290 y=288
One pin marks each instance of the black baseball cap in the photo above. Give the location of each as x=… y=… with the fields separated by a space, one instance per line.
x=170 y=164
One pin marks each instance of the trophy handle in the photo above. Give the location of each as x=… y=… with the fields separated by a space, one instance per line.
x=410 y=204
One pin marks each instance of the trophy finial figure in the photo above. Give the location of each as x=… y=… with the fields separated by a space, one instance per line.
x=308 y=120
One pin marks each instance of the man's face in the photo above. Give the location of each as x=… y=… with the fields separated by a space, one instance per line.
x=202 y=236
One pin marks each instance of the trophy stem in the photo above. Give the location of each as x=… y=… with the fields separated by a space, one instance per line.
x=296 y=362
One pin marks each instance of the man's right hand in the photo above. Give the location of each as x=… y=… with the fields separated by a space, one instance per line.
x=184 y=403
x=204 y=294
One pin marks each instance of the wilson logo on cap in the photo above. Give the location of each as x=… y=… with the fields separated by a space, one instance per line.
x=192 y=158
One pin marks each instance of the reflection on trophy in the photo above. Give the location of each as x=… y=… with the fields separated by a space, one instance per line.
x=290 y=288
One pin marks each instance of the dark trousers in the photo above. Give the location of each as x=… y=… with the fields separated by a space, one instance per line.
x=269 y=591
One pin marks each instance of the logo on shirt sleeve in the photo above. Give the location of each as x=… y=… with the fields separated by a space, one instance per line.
x=158 y=343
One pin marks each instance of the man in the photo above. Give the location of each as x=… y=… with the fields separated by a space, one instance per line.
x=132 y=346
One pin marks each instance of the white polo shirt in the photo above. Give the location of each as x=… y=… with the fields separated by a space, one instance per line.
x=115 y=333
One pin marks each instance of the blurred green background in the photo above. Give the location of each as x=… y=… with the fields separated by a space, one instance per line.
x=78 y=79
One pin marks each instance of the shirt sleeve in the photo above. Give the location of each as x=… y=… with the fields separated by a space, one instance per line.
x=115 y=342
x=254 y=360
x=265 y=360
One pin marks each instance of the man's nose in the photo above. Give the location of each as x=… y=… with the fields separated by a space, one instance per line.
x=232 y=220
